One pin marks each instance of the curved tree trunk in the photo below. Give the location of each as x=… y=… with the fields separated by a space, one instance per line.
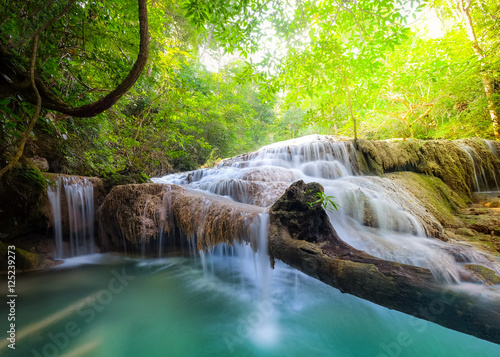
x=109 y=100
x=36 y=92
x=18 y=81
x=31 y=125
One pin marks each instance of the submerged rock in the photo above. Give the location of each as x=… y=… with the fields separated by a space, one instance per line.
x=36 y=258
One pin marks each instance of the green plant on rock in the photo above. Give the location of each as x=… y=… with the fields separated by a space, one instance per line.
x=327 y=202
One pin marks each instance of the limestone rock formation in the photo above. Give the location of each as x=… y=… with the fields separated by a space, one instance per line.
x=451 y=161
x=137 y=214
x=439 y=199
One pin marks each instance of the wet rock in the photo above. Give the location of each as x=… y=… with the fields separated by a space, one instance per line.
x=256 y=193
x=36 y=258
x=305 y=221
x=494 y=204
x=134 y=215
x=456 y=163
x=406 y=200
x=405 y=288
x=484 y=274
x=481 y=223
x=435 y=196
x=466 y=232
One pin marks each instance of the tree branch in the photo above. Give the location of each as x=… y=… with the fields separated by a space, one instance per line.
x=47 y=24
x=109 y=100
x=362 y=29
x=52 y=101
x=34 y=119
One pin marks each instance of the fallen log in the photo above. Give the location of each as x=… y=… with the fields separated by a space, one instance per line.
x=303 y=237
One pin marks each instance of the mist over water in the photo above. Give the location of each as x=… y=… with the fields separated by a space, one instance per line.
x=176 y=307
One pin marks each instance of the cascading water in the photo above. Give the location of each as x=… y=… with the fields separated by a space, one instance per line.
x=481 y=173
x=254 y=264
x=80 y=215
x=54 y=194
x=376 y=215
x=492 y=147
x=480 y=180
x=166 y=220
x=229 y=302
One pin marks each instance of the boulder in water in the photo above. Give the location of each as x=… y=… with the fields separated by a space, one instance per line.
x=304 y=220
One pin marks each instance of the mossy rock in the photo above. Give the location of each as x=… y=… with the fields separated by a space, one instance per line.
x=437 y=197
x=25 y=260
x=369 y=160
x=467 y=232
x=484 y=274
x=22 y=195
x=301 y=212
x=443 y=159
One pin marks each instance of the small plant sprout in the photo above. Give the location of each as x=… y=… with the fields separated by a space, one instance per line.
x=327 y=202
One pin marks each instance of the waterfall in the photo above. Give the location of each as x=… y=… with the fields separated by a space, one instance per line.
x=480 y=181
x=484 y=178
x=77 y=215
x=54 y=194
x=492 y=147
x=254 y=266
x=166 y=220
x=376 y=215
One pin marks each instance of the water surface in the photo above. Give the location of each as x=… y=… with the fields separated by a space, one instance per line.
x=223 y=305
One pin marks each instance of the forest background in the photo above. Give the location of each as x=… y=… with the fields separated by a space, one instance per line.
x=220 y=78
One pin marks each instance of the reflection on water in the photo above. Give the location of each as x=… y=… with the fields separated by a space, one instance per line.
x=182 y=307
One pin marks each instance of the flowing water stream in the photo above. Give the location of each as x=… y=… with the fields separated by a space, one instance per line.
x=227 y=301
x=376 y=215
x=79 y=193
x=103 y=306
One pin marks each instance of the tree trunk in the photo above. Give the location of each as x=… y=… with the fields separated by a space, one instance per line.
x=354 y=123
x=32 y=122
x=19 y=80
x=109 y=100
x=463 y=8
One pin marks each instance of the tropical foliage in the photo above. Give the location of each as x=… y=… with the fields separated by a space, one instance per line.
x=357 y=68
